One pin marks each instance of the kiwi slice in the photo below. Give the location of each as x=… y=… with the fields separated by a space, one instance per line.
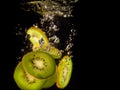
x=40 y=42
x=54 y=52
x=37 y=37
x=64 y=72
x=50 y=81
x=39 y=64
x=25 y=81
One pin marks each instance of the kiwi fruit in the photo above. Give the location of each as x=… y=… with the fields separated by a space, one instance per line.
x=39 y=64
x=54 y=52
x=64 y=72
x=25 y=81
x=50 y=81
x=40 y=42
x=37 y=37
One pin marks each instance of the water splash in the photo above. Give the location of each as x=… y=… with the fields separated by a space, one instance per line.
x=52 y=14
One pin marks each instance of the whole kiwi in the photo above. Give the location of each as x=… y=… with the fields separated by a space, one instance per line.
x=39 y=64
x=25 y=81
x=64 y=72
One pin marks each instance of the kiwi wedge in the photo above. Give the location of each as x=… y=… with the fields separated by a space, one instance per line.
x=37 y=37
x=64 y=72
x=40 y=42
x=39 y=64
x=50 y=81
x=25 y=81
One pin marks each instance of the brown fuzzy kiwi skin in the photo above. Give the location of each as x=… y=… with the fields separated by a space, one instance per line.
x=41 y=73
x=21 y=79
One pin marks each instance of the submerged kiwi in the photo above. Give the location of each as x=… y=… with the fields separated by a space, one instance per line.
x=39 y=64
x=64 y=72
x=50 y=81
x=37 y=37
x=54 y=52
x=40 y=42
x=25 y=81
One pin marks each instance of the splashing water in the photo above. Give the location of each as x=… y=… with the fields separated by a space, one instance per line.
x=53 y=17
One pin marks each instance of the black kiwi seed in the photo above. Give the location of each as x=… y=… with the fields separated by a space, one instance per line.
x=64 y=72
x=39 y=64
x=25 y=81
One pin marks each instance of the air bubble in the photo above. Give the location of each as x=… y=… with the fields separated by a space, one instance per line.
x=50 y=12
x=35 y=25
x=54 y=39
x=69 y=52
x=27 y=36
x=19 y=33
x=69 y=46
x=71 y=56
x=41 y=41
x=18 y=58
x=27 y=47
x=65 y=15
x=74 y=34
x=57 y=40
x=22 y=50
x=70 y=39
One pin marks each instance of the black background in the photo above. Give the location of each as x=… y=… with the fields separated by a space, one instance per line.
x=83 y=76
x=94 y=49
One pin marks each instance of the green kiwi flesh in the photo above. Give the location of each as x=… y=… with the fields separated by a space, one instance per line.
x=40 y=42
x=25 y=81
x=50 y=81
x=54 y=52
x=39 y=64
x=37 y=37
x=64 y=72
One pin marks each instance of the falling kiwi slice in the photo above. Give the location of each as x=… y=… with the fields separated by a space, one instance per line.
x=37 y=37
x=54 y=52
x=40 y=42
x=50 y=81
x=64 y=72
x=39 y=64
x=25 y=81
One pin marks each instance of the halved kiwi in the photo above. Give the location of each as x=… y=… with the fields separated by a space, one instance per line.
x=64 y=72
x=50 y=81
x=39 y=64
x=25 y=81
x=37 y=37
x=40 y=42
